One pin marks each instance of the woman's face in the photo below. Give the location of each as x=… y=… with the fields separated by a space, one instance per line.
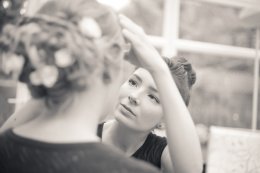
x=139 y=105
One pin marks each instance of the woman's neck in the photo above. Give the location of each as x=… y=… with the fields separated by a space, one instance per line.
x=124 y=138
x=77 y=123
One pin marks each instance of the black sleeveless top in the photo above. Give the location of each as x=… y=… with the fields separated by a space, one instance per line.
x=150 y=151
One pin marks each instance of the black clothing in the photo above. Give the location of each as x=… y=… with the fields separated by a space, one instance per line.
x=150 y=151
x=23 y=155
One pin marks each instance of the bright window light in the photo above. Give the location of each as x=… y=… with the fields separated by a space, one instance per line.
x=116 y=4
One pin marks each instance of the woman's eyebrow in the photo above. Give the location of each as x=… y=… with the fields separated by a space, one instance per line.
x=153 y=89
x=138 y=77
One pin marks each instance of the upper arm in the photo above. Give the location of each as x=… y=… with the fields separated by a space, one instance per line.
x=166 y=163
x=184 y=146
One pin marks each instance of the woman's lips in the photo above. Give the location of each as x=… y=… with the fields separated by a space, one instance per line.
x=128 y=109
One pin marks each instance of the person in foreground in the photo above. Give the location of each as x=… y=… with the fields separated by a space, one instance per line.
x=70 y=55
x=158 y=91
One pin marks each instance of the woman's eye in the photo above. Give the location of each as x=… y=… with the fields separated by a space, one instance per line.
x=154 y=99
x=132 y=82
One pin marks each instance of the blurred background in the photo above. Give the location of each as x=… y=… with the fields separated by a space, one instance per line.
x=218 y=37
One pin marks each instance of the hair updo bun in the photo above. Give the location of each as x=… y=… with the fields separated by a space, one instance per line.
x=189 y=70
x=62 y=46
x=183 y=74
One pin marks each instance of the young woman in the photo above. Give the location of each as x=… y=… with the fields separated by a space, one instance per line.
x=70 y=55
x=139 y=112
x=156 y=92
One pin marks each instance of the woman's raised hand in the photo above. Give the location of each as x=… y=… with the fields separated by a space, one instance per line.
x=142 y=53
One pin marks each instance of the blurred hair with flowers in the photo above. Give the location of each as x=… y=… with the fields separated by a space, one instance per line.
x=56 y=51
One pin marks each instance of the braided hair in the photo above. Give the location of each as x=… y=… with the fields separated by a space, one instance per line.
x=83 y=33
x=183 y=74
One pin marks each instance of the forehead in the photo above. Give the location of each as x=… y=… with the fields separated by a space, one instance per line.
x=145 y=76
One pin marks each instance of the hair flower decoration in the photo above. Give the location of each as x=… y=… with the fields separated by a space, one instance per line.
x=12 y=64
x=35 y=78
x=46 y=75
x=90 y=28
x=63 y=58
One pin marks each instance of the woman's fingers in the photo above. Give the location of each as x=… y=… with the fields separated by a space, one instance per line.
x=134 y=54
x=128 y=24
x=142 y=51
x=132 y=38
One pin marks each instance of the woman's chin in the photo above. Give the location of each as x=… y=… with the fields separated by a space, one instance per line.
x=125 y=121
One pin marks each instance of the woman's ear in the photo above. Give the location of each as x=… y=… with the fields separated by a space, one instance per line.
x=160 y=129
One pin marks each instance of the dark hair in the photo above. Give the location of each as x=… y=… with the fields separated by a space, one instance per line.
x=56 y=27
x=183 y=75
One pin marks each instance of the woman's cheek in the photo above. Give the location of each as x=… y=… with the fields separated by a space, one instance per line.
x=123 y=91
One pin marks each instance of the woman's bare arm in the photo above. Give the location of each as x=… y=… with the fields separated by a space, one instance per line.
x=183 y=141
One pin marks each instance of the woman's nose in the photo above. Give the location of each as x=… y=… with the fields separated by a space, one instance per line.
x=133 y=100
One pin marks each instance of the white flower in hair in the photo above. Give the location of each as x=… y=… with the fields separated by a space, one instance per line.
x=13 y=63
x=35 y=78
x=46 y=75
x=63 y=58
x=90 y=28
x=49 y=75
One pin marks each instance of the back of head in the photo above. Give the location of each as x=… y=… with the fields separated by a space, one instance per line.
x=183 y=74
x=57 y=51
